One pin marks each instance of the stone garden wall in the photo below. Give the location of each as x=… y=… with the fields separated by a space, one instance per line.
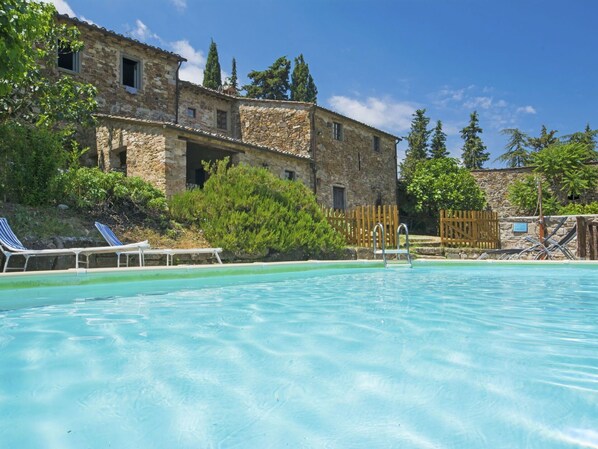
x=495 y=184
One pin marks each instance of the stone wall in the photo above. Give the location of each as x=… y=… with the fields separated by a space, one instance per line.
x=511 y=239
x=100 y=65
x=205 y=103
x=145 y=147
x=368 y=176
x=282 y=125
x=495 y=184
x=278 y=163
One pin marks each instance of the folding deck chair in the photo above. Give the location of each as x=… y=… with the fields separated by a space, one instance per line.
x=113 y=241
x=10 y=246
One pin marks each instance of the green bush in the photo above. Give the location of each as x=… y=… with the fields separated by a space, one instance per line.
x=184 y=206
x=524 y=195
x=252 y=213
x=96 y=192
x=579 y=209
x=30 y=160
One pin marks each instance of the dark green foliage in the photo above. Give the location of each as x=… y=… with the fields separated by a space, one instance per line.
x=28 y=47
x=124 y=198
x=303 y=87
x=441 y=184
x=546 y=139
x=474 y=152
x=252 y=213
x=438 y=143
x=233 y=81
x=586 y=137
x=212 y=76
x=517 y=154
x=30 y=158
x=272 y=83
x=417 y=141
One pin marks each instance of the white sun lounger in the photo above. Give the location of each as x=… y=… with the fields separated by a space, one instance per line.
x=10 y=246
x=114 y=242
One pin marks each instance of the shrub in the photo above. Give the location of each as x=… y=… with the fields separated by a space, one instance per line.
x=184 y=206
x=579 y=209
x=251 y=212
x=524 y=195
x=112 y=193
x=30 y=160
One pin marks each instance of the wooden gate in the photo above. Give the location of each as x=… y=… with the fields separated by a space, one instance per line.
x=357 y=224
x=471 y=228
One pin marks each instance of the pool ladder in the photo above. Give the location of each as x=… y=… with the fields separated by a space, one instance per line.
x=402 y=228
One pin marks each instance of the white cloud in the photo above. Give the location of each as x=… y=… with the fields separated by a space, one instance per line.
x=380 y=113
x=526 y=110
x=478 y=102
x=142 y=32
x=62 y=7
x=192 y=70
x=181 y=5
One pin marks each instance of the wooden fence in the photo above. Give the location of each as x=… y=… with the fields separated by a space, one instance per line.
x=587 y=238
x=472 y=228
x=357 y=224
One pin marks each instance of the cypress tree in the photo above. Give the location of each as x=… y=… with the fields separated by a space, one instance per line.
x=438 y=143
x=233 y=81
x=417 y=141
x=212 y=77
x=474 y=151
x=303 y=87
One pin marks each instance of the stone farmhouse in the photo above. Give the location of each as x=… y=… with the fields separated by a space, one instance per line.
x=153 y=125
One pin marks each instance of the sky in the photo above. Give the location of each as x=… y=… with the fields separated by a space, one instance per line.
x=518 y=63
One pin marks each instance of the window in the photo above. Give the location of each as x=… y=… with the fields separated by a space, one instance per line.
x=221 y=119
x=122 y=159
x=191 y=112
x=376 y=143
x=338 y=198
x=67 y=59
x=289 y=175
x=337 y=131
x=131 y=73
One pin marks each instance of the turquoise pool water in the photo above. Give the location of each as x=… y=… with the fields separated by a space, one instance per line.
x=480 y=356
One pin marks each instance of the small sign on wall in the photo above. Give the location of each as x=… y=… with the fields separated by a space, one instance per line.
x=519 y=227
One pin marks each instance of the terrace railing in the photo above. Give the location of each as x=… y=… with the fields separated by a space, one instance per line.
x=470 y=228
x=357 y=224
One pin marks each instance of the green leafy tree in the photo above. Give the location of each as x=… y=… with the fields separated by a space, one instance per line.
x=212 y=75
x=545 y=139
x=438 y=143
x=29 y=93
x=417 y=141
x=302 y=87
x=517 y=154
x=474 y=152
x=441 y=184
x=565 y=172
x=272 y=83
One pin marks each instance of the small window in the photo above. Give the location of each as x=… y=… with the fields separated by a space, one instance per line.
x=376 y=143
x=131 y=73
x=68 y=60
x=191 y=112
x=289 y=175
x=337 y=131
x=338 y=198
x=122 y=159
x=221 y=119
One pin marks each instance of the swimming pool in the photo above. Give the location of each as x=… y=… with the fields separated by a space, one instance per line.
x=438 y=356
